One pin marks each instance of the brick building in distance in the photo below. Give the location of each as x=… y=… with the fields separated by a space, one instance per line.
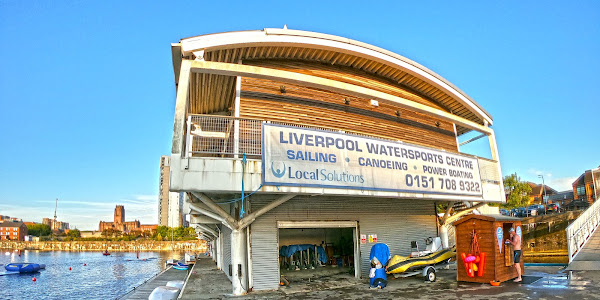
x=538 y=191
x=10 y=230
x=586 y=187
x=55 y=225
x=120 y=224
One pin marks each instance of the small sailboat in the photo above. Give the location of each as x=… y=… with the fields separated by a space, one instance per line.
x=106 y=253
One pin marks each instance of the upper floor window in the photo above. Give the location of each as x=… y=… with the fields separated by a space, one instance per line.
x=581 y=190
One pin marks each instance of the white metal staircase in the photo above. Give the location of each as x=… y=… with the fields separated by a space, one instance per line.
x=582 y=229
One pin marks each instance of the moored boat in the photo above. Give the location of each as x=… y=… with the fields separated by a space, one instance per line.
x=190 y=258
x=399 y=264
x=178 y=267
x=23 y=267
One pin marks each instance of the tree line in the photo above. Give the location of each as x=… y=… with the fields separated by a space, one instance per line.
x=162 y=233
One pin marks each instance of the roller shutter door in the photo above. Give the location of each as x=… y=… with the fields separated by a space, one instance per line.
x=396 y=223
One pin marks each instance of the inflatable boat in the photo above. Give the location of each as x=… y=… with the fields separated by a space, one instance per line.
x=24 y=267
x=399 y=264
x=180 y=266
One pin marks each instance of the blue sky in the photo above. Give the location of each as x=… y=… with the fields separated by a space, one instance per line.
x=87 y=94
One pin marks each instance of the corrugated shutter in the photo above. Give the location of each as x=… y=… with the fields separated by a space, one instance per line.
x=226 y=237
x=396 y=223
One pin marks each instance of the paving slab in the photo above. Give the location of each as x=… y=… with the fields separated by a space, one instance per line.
x=206 y=281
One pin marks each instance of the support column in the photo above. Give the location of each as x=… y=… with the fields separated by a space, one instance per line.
x=181 y=105
x=219 y=251
x=443 y=228
x=236 y=114
x=444 y=236
x=212 y=250
x=238 y=261
x=496 y=157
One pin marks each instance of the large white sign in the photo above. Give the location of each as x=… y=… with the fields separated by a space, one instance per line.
x=305 y=157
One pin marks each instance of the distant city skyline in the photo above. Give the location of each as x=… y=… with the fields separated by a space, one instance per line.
x=88 y=102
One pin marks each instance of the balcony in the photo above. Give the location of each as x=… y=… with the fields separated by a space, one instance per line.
x=216 y=145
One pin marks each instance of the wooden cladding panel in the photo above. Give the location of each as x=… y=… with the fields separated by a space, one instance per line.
x=463 y=243
x=352 y=76
x=263 y=99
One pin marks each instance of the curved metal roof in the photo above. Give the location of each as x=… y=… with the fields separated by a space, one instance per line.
x=270 y=43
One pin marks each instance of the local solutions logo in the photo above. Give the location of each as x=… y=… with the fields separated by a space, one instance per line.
x=279 y=172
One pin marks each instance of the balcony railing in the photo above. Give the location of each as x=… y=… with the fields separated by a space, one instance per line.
x=223 y=136
x=230 y=137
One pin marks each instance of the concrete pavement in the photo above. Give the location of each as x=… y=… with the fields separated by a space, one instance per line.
x=206 y=282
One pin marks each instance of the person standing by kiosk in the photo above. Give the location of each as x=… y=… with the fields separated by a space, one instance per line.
x=515 y=241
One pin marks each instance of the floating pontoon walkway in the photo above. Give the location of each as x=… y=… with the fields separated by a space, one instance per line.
x=143 y=291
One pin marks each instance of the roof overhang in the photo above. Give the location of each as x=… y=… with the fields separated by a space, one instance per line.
x=196 y=47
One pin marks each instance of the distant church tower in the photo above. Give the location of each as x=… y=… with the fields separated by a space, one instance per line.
x=119 y=214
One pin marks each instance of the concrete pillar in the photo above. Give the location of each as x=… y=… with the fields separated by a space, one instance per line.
x=444 y=236
x=238 y=261
x=219 y=252
x=213 y=250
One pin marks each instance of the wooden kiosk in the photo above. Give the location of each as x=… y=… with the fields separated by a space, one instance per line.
x=491 y=232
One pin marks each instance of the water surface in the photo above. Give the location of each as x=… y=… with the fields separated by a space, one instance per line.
x=103 y=277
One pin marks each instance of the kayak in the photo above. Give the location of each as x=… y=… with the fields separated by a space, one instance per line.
x=399 y=264
x=23 y=267
x=178 y=267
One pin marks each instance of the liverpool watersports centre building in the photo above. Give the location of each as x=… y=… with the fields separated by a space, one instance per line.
x=300 y=149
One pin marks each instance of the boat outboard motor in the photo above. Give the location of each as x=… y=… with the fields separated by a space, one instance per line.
x=379 y=256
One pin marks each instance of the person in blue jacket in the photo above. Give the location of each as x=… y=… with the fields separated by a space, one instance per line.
x=379 y=256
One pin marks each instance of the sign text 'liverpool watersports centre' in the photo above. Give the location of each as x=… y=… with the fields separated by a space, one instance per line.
x=306 y=157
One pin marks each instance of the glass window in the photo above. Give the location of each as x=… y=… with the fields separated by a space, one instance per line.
x=581 y=190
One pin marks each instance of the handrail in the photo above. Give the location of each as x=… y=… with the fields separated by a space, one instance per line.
x=582 y=229
x=211 y=135
x=252 y=123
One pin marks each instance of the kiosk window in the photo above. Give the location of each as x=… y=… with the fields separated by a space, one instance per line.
x=509 y=254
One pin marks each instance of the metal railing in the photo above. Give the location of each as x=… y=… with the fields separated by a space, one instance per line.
x=220 y=136
x=582 y=229
x=230 y=137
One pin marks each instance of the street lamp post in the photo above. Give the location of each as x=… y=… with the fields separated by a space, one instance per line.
x=544 y=186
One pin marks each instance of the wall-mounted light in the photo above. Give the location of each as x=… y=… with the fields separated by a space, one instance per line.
x=398 y=113
x=346 y=101
x=374 y=102
x=282 y=89
x=437 y=124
